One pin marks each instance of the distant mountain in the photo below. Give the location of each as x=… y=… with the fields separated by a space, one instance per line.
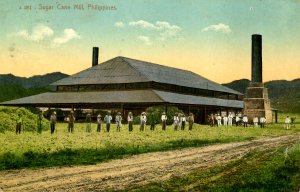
x=31 y=82
x=13 y=87
x=284 y=95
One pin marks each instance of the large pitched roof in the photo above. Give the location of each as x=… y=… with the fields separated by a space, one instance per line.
x=110 y=97
x=126 y=70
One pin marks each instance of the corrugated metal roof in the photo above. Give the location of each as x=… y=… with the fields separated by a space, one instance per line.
x=126 y=70
x=112 y=71
x=197 y=100
x=135 y=96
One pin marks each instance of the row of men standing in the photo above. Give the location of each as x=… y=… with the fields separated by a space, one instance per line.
x=217 y=119
x=179 y=121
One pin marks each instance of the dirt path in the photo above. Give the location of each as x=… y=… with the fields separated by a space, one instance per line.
x=135 y=170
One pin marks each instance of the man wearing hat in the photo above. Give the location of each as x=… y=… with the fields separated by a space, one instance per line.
x=143 y=120
x=164 y=121
x=107 y=120
x=191 y=121
x=53 y=122
x=219 y=119
x=176 y=121
x=118 y=121
x=245 y=121
x=130 y=120
x=99 y=121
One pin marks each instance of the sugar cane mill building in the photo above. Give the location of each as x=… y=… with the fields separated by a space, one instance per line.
x=126 y=84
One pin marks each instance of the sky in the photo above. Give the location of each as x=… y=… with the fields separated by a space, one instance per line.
x=211 y=38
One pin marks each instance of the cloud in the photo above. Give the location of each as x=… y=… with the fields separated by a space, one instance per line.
x=145 y=39
x=218 y=28
x=143 y=24
x=163 y=28
x=119 y=24
x=38 y=33
x=68 y=35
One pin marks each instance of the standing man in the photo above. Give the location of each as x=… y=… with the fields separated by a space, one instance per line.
x=245 y=121
x=107 y=120
x=262 y=121
x=152 y=122
x=225 y=120
x=99 y=121
x=219 y=119
x=164 y=121
x=176 y=121
x=88 y=121
x=212 y=120
x=230 y=117
x=191 y=121
x=53 y=120
x=287 y=122
x=118 y=121
x=255 y=121
x=183 y=120
x=143 y=120
x=19 y=124
x=237 y=120
x=179 y=121
x=39 y=121
x=130 y=120
x=71 y=122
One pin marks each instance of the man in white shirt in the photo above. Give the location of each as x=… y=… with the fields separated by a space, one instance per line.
x=230 y=117
x=245 y=121
x=118 y=121
x=107 y=120
x=143 y=120
x=176 y=121
x=255 y=121
x=164 y=121
x=219 y=118
x=225 y=120
x=262 y=121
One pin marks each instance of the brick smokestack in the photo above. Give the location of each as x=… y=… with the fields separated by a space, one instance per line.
x=256 y=58
x=95 y=56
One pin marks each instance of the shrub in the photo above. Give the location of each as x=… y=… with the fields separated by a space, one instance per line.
x=9 y=116
x=158 y=110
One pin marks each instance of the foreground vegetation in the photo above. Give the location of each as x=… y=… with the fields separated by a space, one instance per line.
x=273 y=170
x=62 y=148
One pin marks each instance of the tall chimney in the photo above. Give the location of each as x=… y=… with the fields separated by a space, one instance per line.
x=95 y=56
x=256 y=58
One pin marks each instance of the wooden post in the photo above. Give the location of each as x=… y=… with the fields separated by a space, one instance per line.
x=166 y=108
x=276 y=118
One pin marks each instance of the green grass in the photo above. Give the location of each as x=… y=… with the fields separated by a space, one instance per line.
x=45 y=150
x=272 y=170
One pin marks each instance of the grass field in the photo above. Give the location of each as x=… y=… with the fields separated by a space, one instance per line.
x=62 y=148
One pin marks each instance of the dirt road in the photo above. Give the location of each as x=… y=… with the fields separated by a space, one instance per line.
x=135 y=170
